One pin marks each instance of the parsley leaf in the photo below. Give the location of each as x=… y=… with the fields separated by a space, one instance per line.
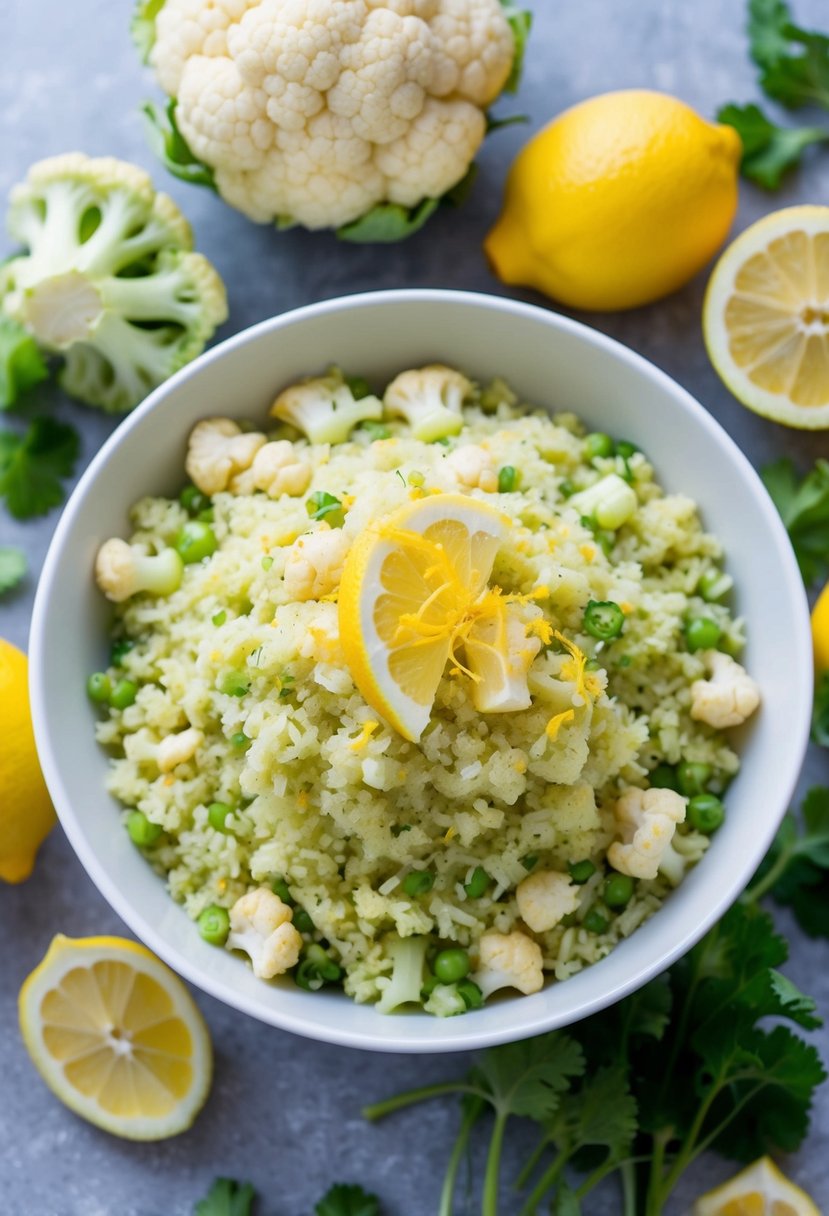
x=804 y=508
x=21 y=363
x=793 y=62
x=12 y=568
x=768 y=150
x=820 y=714
x=32 y=464
x=796 y=870
x=348 y=1201
x=226 y=1198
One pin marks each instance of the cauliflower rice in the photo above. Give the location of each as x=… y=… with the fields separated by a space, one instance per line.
x=339 y=806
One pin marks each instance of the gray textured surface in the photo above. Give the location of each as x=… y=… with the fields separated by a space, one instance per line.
x=285 y=1112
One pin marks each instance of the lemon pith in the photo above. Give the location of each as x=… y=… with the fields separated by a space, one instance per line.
x=26 y=812
x=617 y=202
x=761 y=1189
x=408 y=594
x=766 y=317
x=116 y=1036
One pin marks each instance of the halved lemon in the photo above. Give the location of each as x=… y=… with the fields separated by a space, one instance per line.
x=409 y=586
x=766 y=317
x=117 y=1037
x=759 y=1190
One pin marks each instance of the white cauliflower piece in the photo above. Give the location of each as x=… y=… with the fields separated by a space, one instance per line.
x=314 y=565
x=430 y=399
x=316 y=111
x=408 y=955
x=647 y=820
x=217 y=450
x=178 y=748
x=277 y=469
x=499 y=653
x=260 y=924
x=324 y=408
x=474 y=467
x=122 y=570
x=509 y=960
x=728 y=697
x=545 y=898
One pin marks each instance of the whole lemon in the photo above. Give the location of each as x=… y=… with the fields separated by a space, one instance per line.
x=26 y=814
x=618 y=201
x=820 y=630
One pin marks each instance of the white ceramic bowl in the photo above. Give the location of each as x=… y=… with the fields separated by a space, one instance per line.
x=549 y=360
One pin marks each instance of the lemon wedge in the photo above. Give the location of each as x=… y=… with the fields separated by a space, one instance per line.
x=410 y=592
x=766 y=317
x=759 y=1190
x=117 y=1037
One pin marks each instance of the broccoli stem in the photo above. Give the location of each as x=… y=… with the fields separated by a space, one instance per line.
x=154 y=297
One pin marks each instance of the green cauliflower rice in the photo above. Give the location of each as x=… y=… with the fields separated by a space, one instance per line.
x=396 y=857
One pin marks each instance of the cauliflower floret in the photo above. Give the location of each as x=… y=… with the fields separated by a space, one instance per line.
x=499 y=653
x=314 y=564
x=277 y=469
x=728 y=697
x=545 y=898
x=430 y=399
x=178 y=748
x=474 y=467
x=509 y=960
x=647 y=821
x=260 y=924
x=324 y=408
x=318 y=111
x=122 y=570
x=408 y=955
x=610 y=501
x=218 y=450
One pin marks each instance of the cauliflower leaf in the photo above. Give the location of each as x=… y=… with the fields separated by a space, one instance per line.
x=142 y=26
x=169 y=145
x=388 y=222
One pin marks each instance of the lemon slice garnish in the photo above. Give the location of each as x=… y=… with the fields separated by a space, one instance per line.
x=411 y=590
x=766 y=317
x=759 y=1190
x=117 y=1037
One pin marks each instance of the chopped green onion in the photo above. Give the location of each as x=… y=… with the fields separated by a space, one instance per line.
x=234 y=684
x=323 y=505
x=626 y=449
x=471 y=994
x=119 y=650
x=603 y=619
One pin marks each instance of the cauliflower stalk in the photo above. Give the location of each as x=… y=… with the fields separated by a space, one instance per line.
x=408 y=956
x=123 y=570
x=325 y=408
x=358 y=115
x=108 y=279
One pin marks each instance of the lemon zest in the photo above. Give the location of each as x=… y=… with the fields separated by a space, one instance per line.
x=453 y=831
x=588 y=553
x=557 y=721
x=362 y=739
x=572 y=669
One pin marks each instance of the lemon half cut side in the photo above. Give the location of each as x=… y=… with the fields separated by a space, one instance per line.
x=759 y=1190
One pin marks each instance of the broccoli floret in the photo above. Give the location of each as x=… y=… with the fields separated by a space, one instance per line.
x=110 y=281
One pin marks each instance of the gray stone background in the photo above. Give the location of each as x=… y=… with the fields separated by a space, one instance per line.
x=285 y=1112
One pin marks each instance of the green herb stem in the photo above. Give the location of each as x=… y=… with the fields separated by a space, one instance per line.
x=492 y=1176
x=547 y=1180
x=379 y=1110
x=533 y=1160
x=447 y=1193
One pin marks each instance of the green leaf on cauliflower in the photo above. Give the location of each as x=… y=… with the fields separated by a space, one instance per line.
x=520 y=22
x=12 y=568
x=21 y=363
x=169 y=145
x=388 y=222
x=142 y=26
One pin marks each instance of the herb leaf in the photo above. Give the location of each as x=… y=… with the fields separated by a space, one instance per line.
x=12 y=568
x=804 y=508
x=226 y=1198
x=21 y=363
x=768 y=150
x=32 y=464
x=169 y=145
x=796 y=870
x=348 y=1201
x=793 y=62
x=820 y=714
x=529 y=1077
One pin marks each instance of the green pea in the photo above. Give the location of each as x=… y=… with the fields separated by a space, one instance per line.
x=219 y=618
x=625 y=449
x=597 y=444
x=706 y=813
x=99 y=687
x=240 y=742
x=214 y=925
x=141 y=831
x=280 y=888
x=452 y=965
x=123 y=694
x=508 y=479
x=302 y=921
x=663 y=777
x=119 y=650
x=594 y=922
x=235 y=684
x=418 y=882
x=217 y=814
x=478 y=884
x=529 y=860
x=701 y=633
x=692 y=778
x=323 y=505
x=470 y=994
x=193 y=501
x=580 y=871
x=195 y=541
x=618 y=890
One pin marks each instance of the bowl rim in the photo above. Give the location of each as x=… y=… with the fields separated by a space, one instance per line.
x=797 y=739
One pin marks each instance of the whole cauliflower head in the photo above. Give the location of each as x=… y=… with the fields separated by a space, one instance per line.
x=316 y=111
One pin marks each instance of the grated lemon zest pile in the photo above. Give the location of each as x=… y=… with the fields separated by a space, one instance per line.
x=362 y=739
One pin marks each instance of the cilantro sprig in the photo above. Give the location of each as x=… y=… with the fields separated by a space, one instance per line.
x=796 y=869
x=794 y=71
x=12 y=568
x=32 y=465
x=803 y=504
x=227 y=1197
